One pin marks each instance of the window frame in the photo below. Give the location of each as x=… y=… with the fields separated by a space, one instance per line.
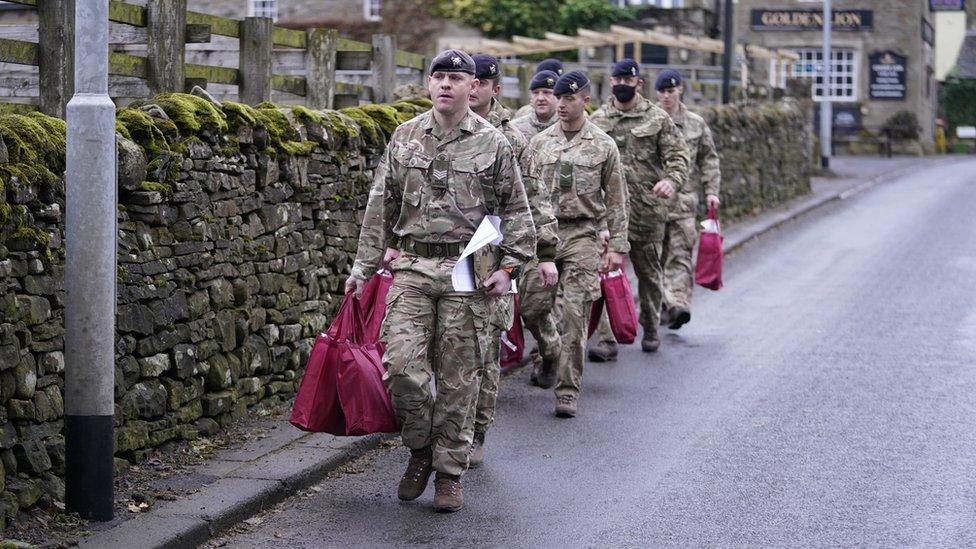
x=372 y=10
x=263 y=8
x=844 y=73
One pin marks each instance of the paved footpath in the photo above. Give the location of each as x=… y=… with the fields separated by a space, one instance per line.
x=822 y=397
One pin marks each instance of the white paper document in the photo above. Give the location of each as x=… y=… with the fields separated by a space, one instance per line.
x=487 y=233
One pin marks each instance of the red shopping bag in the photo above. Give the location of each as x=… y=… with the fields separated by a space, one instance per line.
x=708 y=267
x=342 y=391
x=513 y=339
x=373 y=304
x=617 y=296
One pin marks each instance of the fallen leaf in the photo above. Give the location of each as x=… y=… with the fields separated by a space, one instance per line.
x=254 y=521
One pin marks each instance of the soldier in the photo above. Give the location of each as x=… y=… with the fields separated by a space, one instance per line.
x=580 y=165
x=656 y=165
x=681 y=233
x=543 y=105
x=484 y=102
x=440 y=175
x=551 y=64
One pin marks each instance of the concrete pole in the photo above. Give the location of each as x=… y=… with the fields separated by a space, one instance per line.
x=90 y=272
x=727 y=52
x=826 y=108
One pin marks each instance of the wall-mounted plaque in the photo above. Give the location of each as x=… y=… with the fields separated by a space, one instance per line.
x=887 y=78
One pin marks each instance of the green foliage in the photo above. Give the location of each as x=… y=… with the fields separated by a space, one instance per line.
x=504 y=18
x=902 y=125
x=959 y=102
x=371 y=132
x=340 y=126
x=36 y=149
x=141 y=129
x=305 y=114
x=192 y=114
x=384 y=115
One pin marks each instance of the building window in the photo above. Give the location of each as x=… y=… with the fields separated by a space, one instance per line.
x=371 y=10
x=843 y=73
x=263 y=8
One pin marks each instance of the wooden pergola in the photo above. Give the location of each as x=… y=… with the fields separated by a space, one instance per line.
x=617 y=36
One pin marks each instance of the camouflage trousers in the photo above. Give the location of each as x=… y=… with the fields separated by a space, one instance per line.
x=646 y=259
x=501 y=320
x=433 y=333
x=679 y=278
x=558 y=316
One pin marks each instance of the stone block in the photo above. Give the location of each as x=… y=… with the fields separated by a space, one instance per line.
x=8 y=436
x=134 y=318
x=184 y=361
x=131 y=436
x=21 y=409
x=34 y=309
x=146 y=399
x=215 y=404
x=27 y=491
x=51 y=363
x=207 y=426
x=25 y=376
x=154 y=365
x=219 y=374
x=32 y=457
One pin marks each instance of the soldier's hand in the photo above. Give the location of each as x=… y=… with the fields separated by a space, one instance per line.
x=499 y=283
x=712 y=201
x=664 y=188
x=605 y=238
x=548 y=274
x=612 y=261
x=390 y=255
x=355 y=284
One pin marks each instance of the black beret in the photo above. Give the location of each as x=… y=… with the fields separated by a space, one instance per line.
x=571 y=82
x=625 y=67
x=543 y=79
x=551 y=64
x=486 y=67
x=452 y=61
x=669 y=78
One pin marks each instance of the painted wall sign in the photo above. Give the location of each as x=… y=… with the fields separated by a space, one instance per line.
x=797 y=20
x=947 y=5
x=887 y=77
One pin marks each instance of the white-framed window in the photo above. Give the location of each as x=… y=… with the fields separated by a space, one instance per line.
x=263 y=8
x=371 y=10
x=843 y=72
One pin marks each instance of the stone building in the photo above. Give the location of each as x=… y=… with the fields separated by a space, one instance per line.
x=882 y=59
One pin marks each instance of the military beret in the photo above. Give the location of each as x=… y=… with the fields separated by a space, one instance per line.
x=551 y=64
x=625 y=67
x=571 y=82
x=486 y=67
x=543 y=79
x=452 y=61
x=669 y=78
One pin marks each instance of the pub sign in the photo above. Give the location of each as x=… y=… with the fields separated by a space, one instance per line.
x=887 y=78
x=800 y=20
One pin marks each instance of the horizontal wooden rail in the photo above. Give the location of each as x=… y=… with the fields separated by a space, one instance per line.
x=18 y=51
x=213 y=75
x=291 y=84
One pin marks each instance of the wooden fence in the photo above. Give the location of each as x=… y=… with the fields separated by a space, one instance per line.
x=165 y=26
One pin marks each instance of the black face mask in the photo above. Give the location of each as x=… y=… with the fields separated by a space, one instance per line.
x=624 y=93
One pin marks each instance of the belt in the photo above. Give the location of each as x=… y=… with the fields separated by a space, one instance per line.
x=431 y=249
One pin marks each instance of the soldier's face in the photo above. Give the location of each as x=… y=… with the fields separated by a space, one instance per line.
x=632 y=81
x=544 y=102
x=570 y=107
x=482 y=92
x=669 y=97
x=450 y=90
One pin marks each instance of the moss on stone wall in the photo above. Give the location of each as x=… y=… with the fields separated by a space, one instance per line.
x=192 y=114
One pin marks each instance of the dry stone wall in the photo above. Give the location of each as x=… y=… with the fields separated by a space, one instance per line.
x=237 y=226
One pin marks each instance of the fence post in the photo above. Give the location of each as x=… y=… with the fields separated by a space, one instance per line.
x=384 y=67
x=524 y=79
x=56 y=54
x=166 y=33
x=320 y=67
x=255 y=60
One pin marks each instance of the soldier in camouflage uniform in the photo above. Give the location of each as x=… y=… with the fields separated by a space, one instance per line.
x=581 y=166
x=440 y=175
x=483 y=102
x=656 y=166
x=543 y=105
x=551 y=64
x=681 y=232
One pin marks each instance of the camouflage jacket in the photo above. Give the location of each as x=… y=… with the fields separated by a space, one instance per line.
x=704 y=162
x=584 y=177
x=540 y=203
x=530 y=125
x=651 y=149
x=433 y=186
x=524 y=110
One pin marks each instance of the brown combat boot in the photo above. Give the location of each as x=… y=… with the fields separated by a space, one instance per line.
x=545 y=374
x=566 y=406
x=448 y=497
x=415 y=479
x=679 y=317
x=477 y=451
x=603 y=351
x=651 y=342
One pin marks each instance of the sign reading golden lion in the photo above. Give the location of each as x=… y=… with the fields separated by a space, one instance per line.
x=798 y=20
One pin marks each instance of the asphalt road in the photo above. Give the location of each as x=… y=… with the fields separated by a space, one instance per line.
x=825 y=397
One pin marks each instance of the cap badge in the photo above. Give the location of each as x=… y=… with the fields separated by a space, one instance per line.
x=550 y=82
x=456 y=60
x=573 y=86
x=491 y=68
x=633 y=71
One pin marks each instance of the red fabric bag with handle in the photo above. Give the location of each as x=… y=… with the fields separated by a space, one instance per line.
x=708 y=266
x=342 y=391
x=373 y=304
x=618 y=297
x=513 y=339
